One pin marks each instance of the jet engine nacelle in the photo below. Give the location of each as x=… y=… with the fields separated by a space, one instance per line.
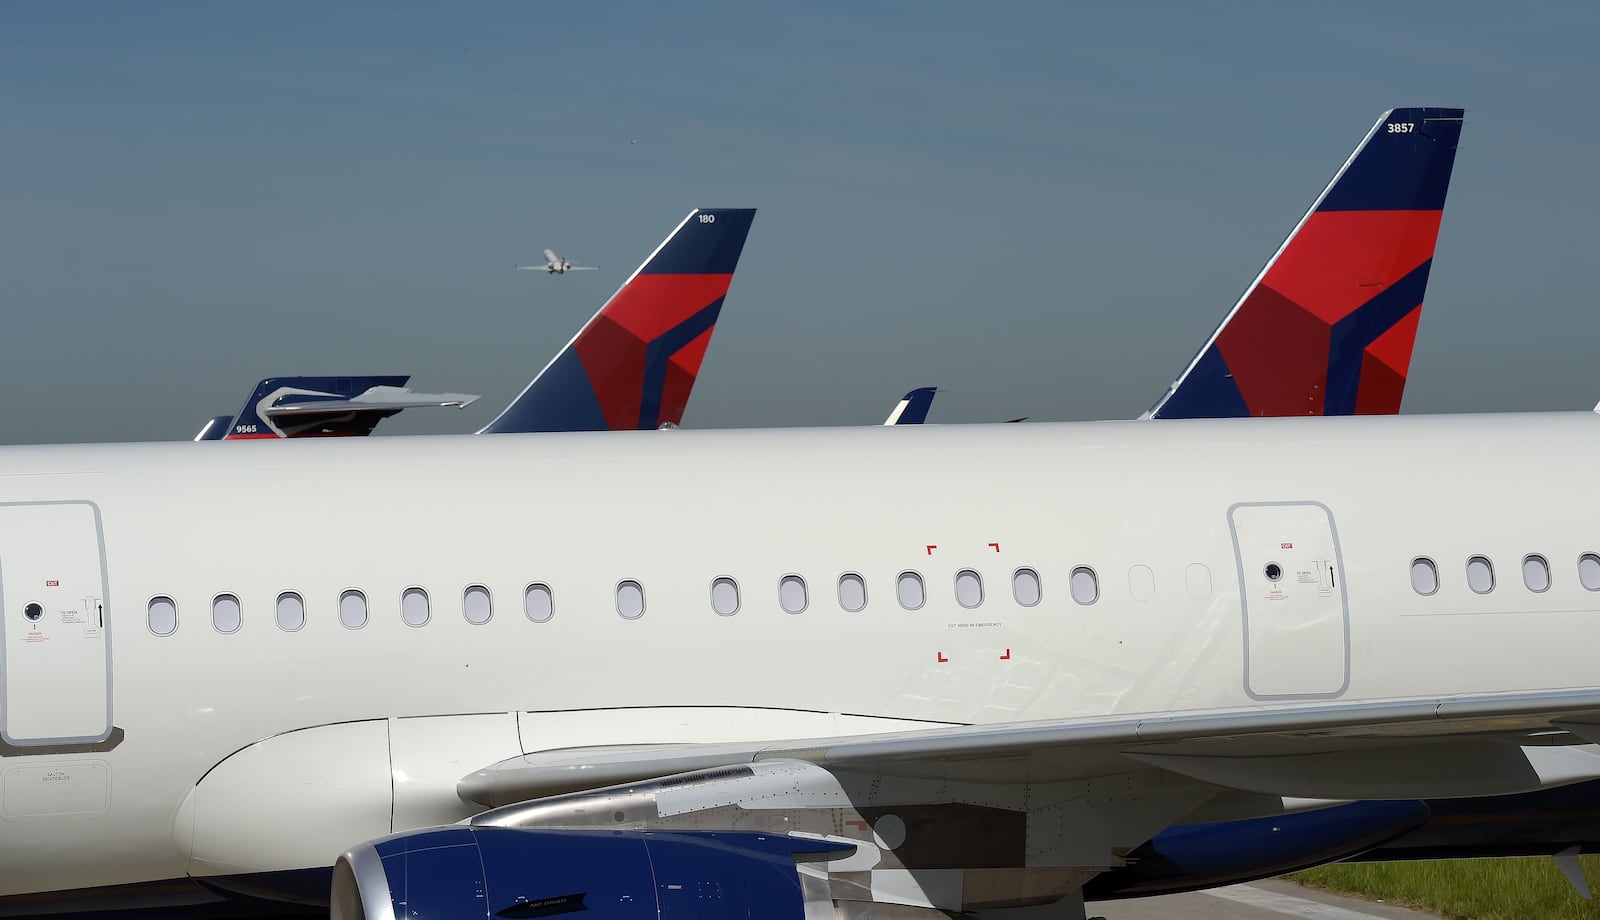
x=1193 y=856
x=604 y=875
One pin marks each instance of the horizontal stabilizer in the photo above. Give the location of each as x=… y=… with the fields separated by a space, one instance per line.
x=377 y=399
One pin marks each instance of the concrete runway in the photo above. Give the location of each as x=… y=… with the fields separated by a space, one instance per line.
x=1268 y=900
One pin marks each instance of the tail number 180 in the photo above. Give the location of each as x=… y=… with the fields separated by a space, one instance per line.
x=708 y=218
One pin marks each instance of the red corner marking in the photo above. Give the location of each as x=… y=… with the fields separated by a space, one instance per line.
x=932 y=547
x=942 y=659
x=1006 y=656
x=996 y=547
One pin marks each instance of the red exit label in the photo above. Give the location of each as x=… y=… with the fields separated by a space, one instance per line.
x=52 y=583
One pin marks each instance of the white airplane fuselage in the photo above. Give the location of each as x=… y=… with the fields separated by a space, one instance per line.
x=344 y=734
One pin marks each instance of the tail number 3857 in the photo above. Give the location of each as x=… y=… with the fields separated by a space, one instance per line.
x=1402 y=127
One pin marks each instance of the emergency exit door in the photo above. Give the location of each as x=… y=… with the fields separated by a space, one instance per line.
x=55 y=646
x=1292 y=594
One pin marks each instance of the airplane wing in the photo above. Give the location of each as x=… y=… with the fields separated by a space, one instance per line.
x=376 y=399
x=975 y=817
x=533 y=268
x=1450 y=746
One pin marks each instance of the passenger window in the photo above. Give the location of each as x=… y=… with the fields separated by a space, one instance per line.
x=910 y=591
x=1085 y=585
x=1025 y=587
x=1536 y=573
x=414 y=607
x=852 y=592
x=630 y=600
x=792 y=595
x=538 y=602
x=969 y=588
x=1480 y=575
x=291 y=611
x=161 y=614
x=1142 y=583
x=725 y=596
x=352 y=609
x=1589 y=571
x=1424 y=576
x=225 y=614
x=476 y=605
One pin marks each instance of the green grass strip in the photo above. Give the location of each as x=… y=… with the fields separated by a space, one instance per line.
x=1465 y=889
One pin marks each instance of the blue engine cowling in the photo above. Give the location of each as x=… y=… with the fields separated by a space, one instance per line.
x=493 y=872
x=1192 y=856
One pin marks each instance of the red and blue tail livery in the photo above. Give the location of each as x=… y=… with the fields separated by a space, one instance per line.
x=634 y=363
x=1327 y=327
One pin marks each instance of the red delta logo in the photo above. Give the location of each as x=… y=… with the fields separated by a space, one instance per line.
x=52 y=582
x=1285 y=546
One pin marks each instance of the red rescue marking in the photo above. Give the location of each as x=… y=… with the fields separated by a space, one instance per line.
x=1006 y=656
x=996 y=547
x=1286 y=546
x=932 y=547
x=52 y=583
x=942 y=659
x=860 y=825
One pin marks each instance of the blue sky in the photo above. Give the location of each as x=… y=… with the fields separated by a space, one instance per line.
x=1042 y=207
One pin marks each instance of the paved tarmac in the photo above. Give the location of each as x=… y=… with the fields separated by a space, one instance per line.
x=1268 y=900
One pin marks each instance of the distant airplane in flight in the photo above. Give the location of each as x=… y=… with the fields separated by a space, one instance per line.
x=555 y=265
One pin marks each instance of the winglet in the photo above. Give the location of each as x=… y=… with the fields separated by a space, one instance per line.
x=1328 y=325
x=913 y=407
x=634 y=363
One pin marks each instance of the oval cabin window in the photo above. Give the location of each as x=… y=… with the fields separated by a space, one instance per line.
x=1085 y=585
x=630 y=600
x=792 y=595
x=1480 y=574
x=476 y=605
x=910 y=591
x=1589 y=571
x=226 y=616
x=852 y=592
x=162 y=615
x=1536 y=574
x=352 y=609
x=538 y=603
x=725 y=597
x=969 y=588
x=291 y=611
x=414 y=607
x=1025 y=587
x=1424 y=576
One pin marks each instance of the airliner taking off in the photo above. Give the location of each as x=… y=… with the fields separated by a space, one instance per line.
x=556 y=265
